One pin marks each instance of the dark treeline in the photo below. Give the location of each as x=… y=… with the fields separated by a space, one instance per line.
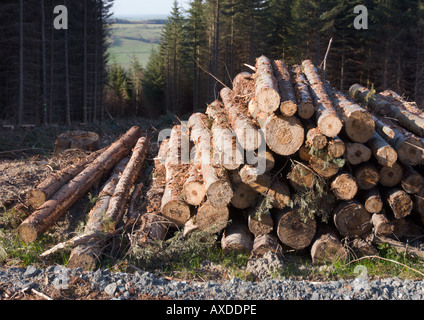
x=215 y=38
x=50 y=76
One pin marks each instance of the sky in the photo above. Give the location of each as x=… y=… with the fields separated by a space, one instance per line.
x=145 y=7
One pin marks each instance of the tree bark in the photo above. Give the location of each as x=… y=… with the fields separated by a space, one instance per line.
x=351 y=219
x=293 y=231
x=305 y=108
x=266 y=93
x=51 y=211
x=46 y=189
x=327 y=118
x=288 y=107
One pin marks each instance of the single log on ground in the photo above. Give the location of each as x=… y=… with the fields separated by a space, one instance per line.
x=400 y=247
x=193 y=191
x=243 y=195
x=391 y=176
x=373 y=201
x=267 y=94
x=336 y=148
x=224 y=139
x=266 y=243
x=412 y=181
x=400 y=202
x=328 y=249
x=351 y=219
x=382 y=225
x=305 y=108
x=52 y=210
x=46 y=189
x=244 y=127
x=288 y=106
x=283 y=135
x=344 y=186
x=358 y=123
x=302 y=177
x=82 y=140
x=237 y=238
x=382 y=151
x=293 y=230
x=327 y=118
x=87 y=254
x=357 y=153
x=367 y=176
x=173 y=207
x=385 y=105
x=212 y=219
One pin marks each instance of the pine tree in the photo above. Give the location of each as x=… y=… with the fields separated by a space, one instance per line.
x=153 y=85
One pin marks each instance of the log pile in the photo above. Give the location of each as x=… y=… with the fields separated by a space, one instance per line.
x=282 y=161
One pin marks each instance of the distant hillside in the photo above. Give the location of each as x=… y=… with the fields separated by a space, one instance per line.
x=134 y=37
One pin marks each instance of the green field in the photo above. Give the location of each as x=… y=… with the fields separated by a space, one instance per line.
x=132 y=39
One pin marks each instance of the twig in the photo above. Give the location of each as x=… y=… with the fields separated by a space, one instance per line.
x=198 y=64
x=42 y=295
x=326 y=56
x=250 y=67
x=388 y=260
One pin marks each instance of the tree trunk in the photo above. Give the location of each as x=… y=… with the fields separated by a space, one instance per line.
x=237 y=238
x=43 y=65
x=51 y=211
x=344 y=187
x=283 y=135
x=382 y=225
x=412 y=181
x=357 y=121
x=382 y=151
x=336 y=148
x=173 y=207
x=391 y=176
x=46 y=189
x=266 y=94
x=225 y=145
x=372 y=201
x=400 y=202
x=327 y=119
x=212 y=219
x=302 y=177
x=328 y=249
x=264 y=244
x=351 y=219
x=288 y=105
x=21 y=64
x=367 y=176
x=357 y=153
x=246 y=130
x=294 y=231
x=305 y=108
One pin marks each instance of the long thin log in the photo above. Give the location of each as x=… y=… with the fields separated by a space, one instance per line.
x=327 y=118
x=46 y=189
x=267 y=94
x=52 y=210
x=244 y=127
x=305 y=108
x=288 y=105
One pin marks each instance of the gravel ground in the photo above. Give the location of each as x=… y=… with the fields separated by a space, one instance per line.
x=60 y=283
